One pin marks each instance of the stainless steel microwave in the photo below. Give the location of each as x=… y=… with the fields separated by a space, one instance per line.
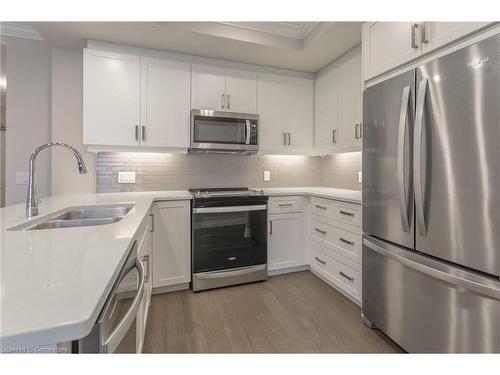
x=225 y=132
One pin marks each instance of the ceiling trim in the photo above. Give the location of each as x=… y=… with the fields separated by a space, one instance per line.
x=295 y=30
x=18 y=30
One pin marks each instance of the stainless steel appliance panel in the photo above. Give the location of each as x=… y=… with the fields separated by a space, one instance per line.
x=387 y=159
x=428 y=306
x=457 y=156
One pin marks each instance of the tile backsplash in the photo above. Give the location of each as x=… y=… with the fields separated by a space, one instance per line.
x=155 y=171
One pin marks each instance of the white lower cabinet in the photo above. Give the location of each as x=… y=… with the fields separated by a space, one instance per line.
x=144 y=252
x=287 y=241
x=171 y=243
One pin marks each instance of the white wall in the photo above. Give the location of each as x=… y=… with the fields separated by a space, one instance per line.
x=67 y=90
x=28 y=69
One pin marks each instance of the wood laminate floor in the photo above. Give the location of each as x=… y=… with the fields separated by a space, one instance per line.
x=292 y=313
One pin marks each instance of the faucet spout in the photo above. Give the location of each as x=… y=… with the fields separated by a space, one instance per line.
x=32 y=200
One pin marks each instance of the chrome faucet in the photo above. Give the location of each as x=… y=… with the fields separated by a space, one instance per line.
x=32 y=199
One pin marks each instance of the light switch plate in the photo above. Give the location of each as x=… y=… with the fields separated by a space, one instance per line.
x=360 y=177
x=267 y=175
x=126 y=177
x=21 y=178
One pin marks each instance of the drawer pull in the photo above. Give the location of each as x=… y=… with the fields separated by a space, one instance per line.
x=346 y=241
x=346 y=276
x=320 y=207
x=285 y=204
x=323 y=262
x=320 y=231
x=346 y=213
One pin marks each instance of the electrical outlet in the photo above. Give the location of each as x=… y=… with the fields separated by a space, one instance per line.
x=21 y=178
x=126 y=177
x=267 y=175
x=360 y=177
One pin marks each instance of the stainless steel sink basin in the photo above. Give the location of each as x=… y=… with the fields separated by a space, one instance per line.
x=79 y=217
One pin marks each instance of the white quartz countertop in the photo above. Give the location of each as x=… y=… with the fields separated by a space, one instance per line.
x=54 y=283
x=351 y=196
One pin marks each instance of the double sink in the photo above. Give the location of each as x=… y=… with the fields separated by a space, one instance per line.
x=78 y=217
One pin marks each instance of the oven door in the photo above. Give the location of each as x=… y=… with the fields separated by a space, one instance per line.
x=229 y=237
x=212 y=130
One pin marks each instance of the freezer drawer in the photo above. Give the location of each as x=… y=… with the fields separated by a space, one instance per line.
x=428 y=306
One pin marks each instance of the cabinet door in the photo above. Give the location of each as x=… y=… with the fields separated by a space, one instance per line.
x=208 y=87
x=350 y=112
x=438 y=34
x=299 y=113
x=111 y=98
x=286 y=241
x=165 y=103
x=387 y=45
x=271 y=112
x=241 y=91
x=171 y=243
x=326 y=133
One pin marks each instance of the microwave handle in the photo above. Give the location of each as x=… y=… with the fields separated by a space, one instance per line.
x=114 y=339
x=247 y=132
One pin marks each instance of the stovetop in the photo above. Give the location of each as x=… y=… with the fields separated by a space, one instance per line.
x=225 y=192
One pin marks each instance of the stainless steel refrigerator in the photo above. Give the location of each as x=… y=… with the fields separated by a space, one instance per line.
x=431 y=203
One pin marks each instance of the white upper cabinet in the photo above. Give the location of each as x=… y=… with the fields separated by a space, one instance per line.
x=111 y=98
x=208 y=87
x=338 y=106
x=437 y=34
x=286 y=114
x=326 y=111
x=165 y=103
x=350 y=99
x=241 y=91
x=271 y=109
x=299 y=113
x=221 y=89
x=387 y=45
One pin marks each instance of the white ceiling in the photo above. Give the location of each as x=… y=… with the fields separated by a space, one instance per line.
x=304 y=46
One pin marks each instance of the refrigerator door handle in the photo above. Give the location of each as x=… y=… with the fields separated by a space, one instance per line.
x=486 y=288
x=403 y=120
x=417 y=161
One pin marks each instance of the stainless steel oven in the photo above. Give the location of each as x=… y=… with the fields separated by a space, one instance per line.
x=116 y=328
x=214 y=131
x=229 y=238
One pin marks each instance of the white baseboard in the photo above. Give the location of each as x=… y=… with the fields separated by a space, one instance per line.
x=282 y=271
x=170 y=288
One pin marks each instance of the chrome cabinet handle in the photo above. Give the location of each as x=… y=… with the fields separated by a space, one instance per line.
x=346 y=241
x=414 y=35
x=222 y=99
x=357 y=131
x=152 y=223
x=320 y=260
x=417 y=161
x=425 y=33
x=334 y=133
x=346 y=213
x=143 y=133
x=402 y=128
x=320 y=231
x=137 y=132
x=350 y=278
x=285 y=204
x=289 y=139
x=284 y=139
x=270 y=227
x=320 y=207
x=228 y=101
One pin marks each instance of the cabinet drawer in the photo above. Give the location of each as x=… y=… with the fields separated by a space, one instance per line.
x=279 y=205
x=342 y=238
x=348 y=213
x=338 y=270
x=323 y=207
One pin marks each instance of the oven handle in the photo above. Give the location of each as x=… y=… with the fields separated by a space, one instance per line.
x=215 y=210
x=230 y=273
x=114 y=339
